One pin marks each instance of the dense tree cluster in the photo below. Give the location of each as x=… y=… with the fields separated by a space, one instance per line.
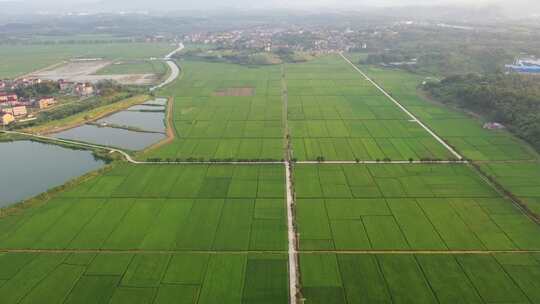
x=445 y=62
x=45 y=88
x=247 y=57
x=513 y=100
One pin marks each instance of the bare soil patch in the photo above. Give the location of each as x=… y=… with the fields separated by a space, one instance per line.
x=246 y=91
x=84 y=71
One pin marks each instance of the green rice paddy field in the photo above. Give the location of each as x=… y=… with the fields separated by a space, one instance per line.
x=335 y=114
x=193 y=207
x=140 y=278
x=408 y=278
x=153 y=234
x=406 y=207
x=332 y=114
x=377 y=233
x=225 y=111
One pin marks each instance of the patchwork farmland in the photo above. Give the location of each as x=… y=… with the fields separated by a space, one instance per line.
x=335 y=114
x=384 y=232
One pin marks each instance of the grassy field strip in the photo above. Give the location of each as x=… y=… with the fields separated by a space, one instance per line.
x=440 y=140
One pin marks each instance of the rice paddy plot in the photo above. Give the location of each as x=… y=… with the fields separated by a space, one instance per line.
x=426 y=278
x=521 y=179
x=226 y=112
x=143 y=278
x=405 y=207
x=192 y=207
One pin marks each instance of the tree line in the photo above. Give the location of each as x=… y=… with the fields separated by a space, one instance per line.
x=513 y=100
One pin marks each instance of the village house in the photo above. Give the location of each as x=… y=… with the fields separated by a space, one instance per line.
x=18 y=111
x=84 y=89
x=8 y=97
x=6 y=118
x=65 y=85
x=45 y=102
x=23 y=102
x=493 y=126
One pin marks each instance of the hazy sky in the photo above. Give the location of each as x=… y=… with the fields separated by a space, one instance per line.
x=289 y=2
x=310 y=4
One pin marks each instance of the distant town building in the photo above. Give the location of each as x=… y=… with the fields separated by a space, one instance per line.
x=493 y=126
x=6 y=118
x=525 y=65
x=46 y=102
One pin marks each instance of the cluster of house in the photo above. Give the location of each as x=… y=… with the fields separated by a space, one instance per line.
x=18 y=83
x=81 y=89
x=275 y=38
x=13 y=108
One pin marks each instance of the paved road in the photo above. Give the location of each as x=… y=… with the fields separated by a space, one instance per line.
x=175 y=71
x=180 y=47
